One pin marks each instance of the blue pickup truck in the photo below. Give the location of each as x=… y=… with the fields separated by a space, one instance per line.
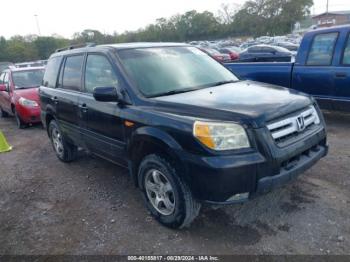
x=321 y=68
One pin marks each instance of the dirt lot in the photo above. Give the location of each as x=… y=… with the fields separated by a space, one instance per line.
x=91 y=207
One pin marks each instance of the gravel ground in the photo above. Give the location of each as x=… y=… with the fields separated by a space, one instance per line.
x=90 y=206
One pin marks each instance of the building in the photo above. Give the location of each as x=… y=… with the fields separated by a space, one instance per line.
x=331 y=18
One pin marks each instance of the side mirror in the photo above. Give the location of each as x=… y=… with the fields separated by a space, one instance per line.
x=106 y=94
x=3 y=87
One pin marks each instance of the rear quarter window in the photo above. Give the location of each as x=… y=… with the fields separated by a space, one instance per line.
x=51 y=72
x=322 y=48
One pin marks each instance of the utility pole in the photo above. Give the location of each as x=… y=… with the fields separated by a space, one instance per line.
x=37 y=24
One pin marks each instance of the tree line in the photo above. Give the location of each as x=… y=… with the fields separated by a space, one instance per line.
x=254 y=18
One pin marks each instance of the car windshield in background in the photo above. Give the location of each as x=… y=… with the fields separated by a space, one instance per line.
x=281 y=49
x=28 y=78
x=166 y=70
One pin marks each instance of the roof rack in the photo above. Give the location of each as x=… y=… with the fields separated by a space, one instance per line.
x=75 y=47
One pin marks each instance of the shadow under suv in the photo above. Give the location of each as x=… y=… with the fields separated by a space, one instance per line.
x=188 y=130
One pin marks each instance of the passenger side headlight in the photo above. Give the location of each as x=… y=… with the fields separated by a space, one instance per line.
x=27 y=102
x=221 y=136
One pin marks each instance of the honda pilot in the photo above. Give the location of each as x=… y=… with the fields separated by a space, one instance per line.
x=187 y=129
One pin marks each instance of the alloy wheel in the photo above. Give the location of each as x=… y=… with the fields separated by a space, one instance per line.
x=159 y=191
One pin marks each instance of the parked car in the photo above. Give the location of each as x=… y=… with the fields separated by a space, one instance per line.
x=38 y=63
x=19 y=94
x=290 y=46
x=216 y=54
x=322 y=68
x=232 y=51
x=263 y=53
x=186 y=128
x=5 y=65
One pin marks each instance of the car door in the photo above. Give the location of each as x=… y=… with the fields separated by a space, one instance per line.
x=2 y=75
x=101 y=124
x=316 y=76
x=6 y=95
x=67 y=94
x=342 y=77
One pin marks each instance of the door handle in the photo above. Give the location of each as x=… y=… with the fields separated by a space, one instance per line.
x=83 y=108
x=340 y=75
x=54 y=99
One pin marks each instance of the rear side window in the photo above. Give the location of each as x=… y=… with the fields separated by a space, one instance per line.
x=322 y=48
x=2 y=78
x=72 y=72
x=51 y=72
x=255 y=49
x=6 y=78
x=99 y=73
x=346 y=57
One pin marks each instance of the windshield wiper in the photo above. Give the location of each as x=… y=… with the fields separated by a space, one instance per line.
x=26 y=87
x=174 y=92
x=223 y=82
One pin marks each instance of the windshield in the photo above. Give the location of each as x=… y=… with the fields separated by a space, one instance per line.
x=28 y=78
x=281 y=49
x=161 y=70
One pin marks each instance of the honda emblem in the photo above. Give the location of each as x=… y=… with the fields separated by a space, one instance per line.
x=300 y=123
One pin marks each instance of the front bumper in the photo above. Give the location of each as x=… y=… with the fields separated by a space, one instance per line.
x=29 y=115
x=305 y=161
x=217 y=179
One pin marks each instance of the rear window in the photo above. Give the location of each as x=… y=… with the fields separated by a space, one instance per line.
x=27 y=79
x=322 y=48
x=51 y=72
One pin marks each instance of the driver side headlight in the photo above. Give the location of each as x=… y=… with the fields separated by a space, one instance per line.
x=27 y=102
x=221 y=136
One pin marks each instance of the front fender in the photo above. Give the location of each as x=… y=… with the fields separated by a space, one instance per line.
x=154 y=134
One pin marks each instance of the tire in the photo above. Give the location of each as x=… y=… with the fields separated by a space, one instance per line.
x=65 y=151
x=181 y=208
x=3 y=113
x=19 y=121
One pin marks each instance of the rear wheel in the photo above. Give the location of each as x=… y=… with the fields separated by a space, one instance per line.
x=167 y=197
x=65 y=151
x=19 y=121
x=3 y=113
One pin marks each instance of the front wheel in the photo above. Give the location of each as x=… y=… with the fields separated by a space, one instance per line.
x=65 y=151
x=167 y=197
x=19 y=121
x=3 y=113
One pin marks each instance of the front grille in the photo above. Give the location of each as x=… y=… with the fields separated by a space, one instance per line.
x=294 y=126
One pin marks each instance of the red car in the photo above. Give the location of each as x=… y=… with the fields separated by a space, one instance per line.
x=216 y=54
x=232 y=51
x=19 y=95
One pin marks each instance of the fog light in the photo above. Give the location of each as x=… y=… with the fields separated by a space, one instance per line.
x=239 y=197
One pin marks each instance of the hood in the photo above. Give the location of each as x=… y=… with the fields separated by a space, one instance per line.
x=241 y=101
x=29 y=93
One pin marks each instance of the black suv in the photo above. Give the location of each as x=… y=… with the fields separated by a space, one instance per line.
x=188 y=130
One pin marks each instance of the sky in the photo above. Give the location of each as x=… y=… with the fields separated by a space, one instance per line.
x=65 y=17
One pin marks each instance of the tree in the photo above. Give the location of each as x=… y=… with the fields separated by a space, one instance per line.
x=47 y=45
x=270 y=17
